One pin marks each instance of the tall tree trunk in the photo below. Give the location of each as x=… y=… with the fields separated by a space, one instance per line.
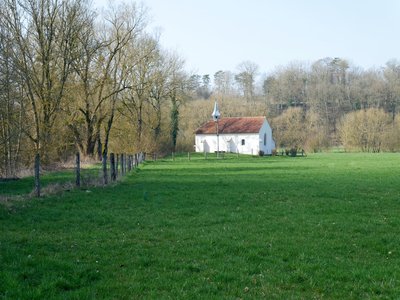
x=174 y=122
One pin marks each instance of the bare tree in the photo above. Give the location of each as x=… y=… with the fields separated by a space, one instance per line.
x=392 y=87
x=144 y=55
x=246 y=79
x=84 y=105
x=12 y=108
x=162 y=85
x=178 y=88
x=102 y=73
x=126 y=23
x=223 y=83
x=287 y=87
x=45 y=35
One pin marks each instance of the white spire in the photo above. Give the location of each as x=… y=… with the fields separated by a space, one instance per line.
x=216 y=115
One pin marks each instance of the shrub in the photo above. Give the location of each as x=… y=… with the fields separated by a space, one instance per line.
x=365 y=130
x=300 y=129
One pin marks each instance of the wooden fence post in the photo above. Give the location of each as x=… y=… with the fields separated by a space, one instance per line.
x=105 y=175
x=78 y=170
x=112 y=167
x=37 y=175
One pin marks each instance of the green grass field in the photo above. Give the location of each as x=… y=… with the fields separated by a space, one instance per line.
x=322 y=226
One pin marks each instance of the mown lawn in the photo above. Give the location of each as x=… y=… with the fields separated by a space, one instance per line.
x=322 y=226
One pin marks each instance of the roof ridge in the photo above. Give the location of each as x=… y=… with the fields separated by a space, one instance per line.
x=246 y=117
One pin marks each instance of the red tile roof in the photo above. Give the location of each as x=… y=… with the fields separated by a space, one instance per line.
x=233 y=125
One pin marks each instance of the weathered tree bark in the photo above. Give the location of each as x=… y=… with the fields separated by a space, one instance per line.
x=129 y=163
x=104 y=163
x=112 y=167
x=116 y=165
x=37 y=175
x=174 y=122
x=122 y=164
x=78 y=170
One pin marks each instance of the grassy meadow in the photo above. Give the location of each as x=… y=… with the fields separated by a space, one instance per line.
x=323 y=226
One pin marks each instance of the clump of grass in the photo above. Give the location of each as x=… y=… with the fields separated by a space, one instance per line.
x=55 y=188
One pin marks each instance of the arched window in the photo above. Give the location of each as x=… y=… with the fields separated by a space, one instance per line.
x=265 y=139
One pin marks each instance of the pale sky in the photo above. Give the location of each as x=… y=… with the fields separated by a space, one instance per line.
x=214 y=35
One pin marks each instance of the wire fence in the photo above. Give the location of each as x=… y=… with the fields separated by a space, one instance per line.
x=112 y=167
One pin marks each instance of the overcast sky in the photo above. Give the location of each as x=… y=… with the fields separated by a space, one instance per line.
x=214 y=35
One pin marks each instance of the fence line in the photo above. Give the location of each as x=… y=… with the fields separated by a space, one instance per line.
x=128 y=162
x=112 y=167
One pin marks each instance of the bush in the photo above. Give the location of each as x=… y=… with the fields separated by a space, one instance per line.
x=260 y=153
x=365 y=130
x=300 y=129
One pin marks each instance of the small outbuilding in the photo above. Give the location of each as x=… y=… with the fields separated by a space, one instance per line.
x=246 y=135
